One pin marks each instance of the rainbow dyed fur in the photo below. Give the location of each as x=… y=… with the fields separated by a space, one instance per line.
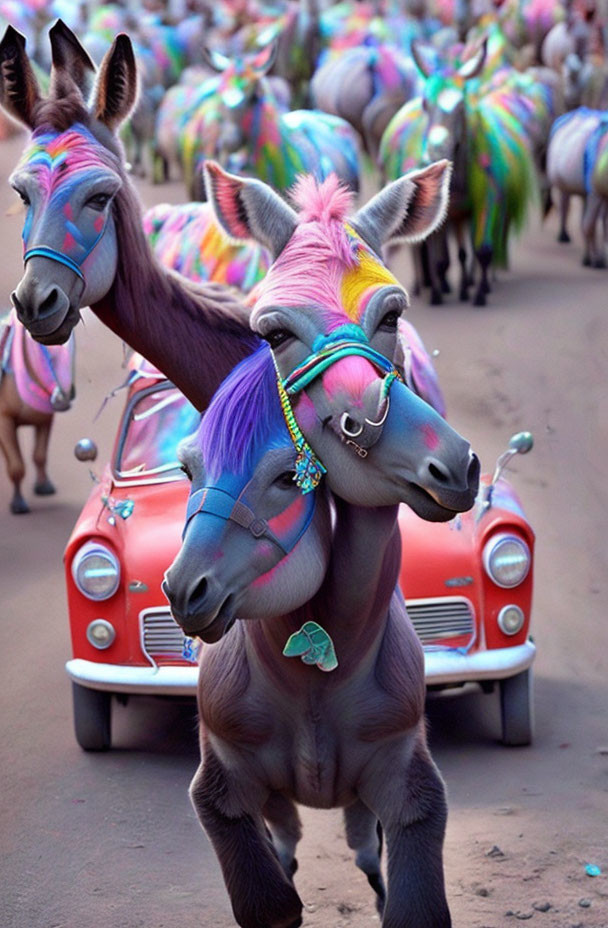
x=187 y=239
x=494 y=130
x=248 y=130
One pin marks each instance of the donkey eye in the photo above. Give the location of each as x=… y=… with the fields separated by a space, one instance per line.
x=99 y=201
x=390 y=320
x=285 y=481
x=277 y=337
x=186 y=470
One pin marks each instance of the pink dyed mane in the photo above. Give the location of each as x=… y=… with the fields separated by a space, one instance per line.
x=310 y=268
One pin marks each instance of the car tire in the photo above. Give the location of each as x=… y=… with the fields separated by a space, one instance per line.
x=92 y=718
x=516 y=709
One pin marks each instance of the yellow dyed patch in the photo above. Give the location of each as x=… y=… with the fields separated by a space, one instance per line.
x=369 y=273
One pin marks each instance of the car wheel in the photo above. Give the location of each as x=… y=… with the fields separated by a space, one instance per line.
x=516 y=709
x=92 y=718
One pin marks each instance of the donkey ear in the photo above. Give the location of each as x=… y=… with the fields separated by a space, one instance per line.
x=70 y=59
x=474 y=66
x=264 y=60
x=116 y=90
x=19 y=91
x=423 y=57
x=408 y=209
x=248 y=208
x=215 y=59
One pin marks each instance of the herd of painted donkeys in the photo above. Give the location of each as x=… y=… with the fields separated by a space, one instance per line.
x=306 y=409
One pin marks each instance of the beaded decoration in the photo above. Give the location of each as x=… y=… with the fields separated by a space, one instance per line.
x=309 y=469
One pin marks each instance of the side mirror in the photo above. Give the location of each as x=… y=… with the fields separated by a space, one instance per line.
x=85 y=450
x=521 y=443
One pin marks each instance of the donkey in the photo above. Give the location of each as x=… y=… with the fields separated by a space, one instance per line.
x=365 y=85
x=275 y=732
x=84 y=242
x=488 y=135
x=247 y=129
x=35 y=383
x=576 y=166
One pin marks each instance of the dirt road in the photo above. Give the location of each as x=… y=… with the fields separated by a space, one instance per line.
x=110 y=841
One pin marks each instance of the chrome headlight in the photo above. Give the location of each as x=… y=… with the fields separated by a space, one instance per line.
x=101 y=634
x=96 y=571
x=506 y=559
x=511 y=619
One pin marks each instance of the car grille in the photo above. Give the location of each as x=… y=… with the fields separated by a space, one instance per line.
x=162 y=639
x=438 y=621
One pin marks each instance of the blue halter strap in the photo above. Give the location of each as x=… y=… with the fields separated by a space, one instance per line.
x=218 y=502
x=42 y=251
x=345 y=341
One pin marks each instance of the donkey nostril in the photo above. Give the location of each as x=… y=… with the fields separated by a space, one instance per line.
x=198 y=594
x=438 y=473
x=49 y=302
x=473 y=471
x=350 y=426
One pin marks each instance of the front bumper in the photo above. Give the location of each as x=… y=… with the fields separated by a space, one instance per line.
x=145 y=681
x=494 y=664
x=440 y=667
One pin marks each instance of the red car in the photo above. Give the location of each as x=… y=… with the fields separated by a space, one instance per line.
x=467 y=583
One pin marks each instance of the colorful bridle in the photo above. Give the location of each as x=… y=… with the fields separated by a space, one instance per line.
x=346 y=341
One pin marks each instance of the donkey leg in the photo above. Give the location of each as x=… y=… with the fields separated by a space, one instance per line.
x=285 y=827
x=484 y=258
x=15 y=466
x=595 y=256
x=43 y=486
x=261 y=894
x=564 y=209
x=408 y=795
x=364 y=836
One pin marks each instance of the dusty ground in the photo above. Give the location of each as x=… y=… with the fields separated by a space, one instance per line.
x=111 y=840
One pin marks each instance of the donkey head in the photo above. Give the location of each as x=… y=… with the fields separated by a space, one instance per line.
x=329 y=310
x=69 y=176
x=253 y=544
x=443 y=102
x=239 y=87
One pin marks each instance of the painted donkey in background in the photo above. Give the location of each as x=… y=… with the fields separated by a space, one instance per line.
x=276 y=732
x=83 y=231
x=35 y=383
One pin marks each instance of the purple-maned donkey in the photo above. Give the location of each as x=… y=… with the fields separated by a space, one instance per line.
x=314 y=567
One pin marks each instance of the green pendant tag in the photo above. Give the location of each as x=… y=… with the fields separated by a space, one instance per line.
x=313 y=645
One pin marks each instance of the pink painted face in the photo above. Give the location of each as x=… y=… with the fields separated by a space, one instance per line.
x=67 y=182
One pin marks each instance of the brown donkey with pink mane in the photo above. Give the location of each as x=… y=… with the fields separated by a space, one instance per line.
x=83 y=238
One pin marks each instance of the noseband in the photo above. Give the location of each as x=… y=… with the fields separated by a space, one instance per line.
x=346 y=341
x=218 y=502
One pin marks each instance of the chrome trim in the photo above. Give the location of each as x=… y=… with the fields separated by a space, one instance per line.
x=489 y=549
x=116 y=678
x=493 y=664
x=441 y=617
x=440 y=667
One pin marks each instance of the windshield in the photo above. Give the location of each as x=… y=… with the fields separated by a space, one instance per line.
x=153 y=427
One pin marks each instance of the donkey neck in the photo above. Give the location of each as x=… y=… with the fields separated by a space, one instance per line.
x=352 y=604
x=194 y=333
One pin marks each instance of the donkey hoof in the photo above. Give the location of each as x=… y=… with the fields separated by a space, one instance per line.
x=600 y=264
x=19 y=507
x=563 y=238
x=480 y=299
x=44 y=488
x=436 y=298
x=586 y=262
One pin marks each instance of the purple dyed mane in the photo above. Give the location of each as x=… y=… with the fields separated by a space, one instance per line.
x=242 y=417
